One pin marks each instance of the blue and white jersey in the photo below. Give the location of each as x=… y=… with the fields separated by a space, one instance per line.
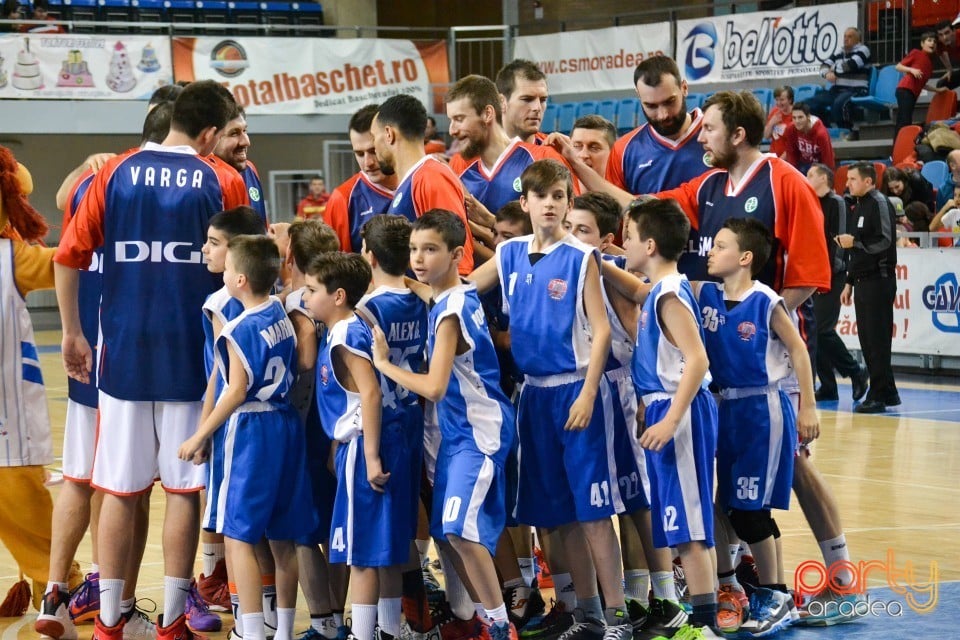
x=474 y=413
x=403 y=318
x=657 y=363
x=224 y=307
x=294 y=303
x=254 y=190
x=264 y=338
x=88 y=300
x=743 y=350
x=543 y=296
x=621 y=344
x=340 y=408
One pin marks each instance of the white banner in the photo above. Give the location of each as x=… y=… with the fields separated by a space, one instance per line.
x=926 y=312
x=598 y=60
x=774 y=45
x=82 y=67
x=310 y=75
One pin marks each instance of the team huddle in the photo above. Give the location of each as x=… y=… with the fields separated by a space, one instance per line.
x=456 y=353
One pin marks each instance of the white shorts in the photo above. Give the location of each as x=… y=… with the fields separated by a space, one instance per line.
x=431 y=440
x=79 y=442
x=138 y=444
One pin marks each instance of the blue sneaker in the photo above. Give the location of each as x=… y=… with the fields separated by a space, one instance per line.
x=828 y=608
x=769 y=613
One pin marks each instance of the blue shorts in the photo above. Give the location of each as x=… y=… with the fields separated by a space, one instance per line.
x=512 y=482
x=263 y=488
x=372 y=529
x=565 y=476
x=322 y=482
x=414 y=429
x=468 y=498
x=681 y=474
x=631 y=464
x=756 y=444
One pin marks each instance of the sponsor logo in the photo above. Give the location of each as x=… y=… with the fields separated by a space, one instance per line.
x=943 y=300
x=700 y=54
x=746 y=330
x=156 y=251
x=557 y=289
x=324 y=375
x=517 y=184
x=751 y=204
x=229 y=59
x=397 y=199
x=254 y=194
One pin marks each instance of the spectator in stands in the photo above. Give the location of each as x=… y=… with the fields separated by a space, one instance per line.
x=948 y=51
x=523 y=92
x=807 y=141
x=592 y=139
x=945 y=190
x=432 y=140
x=917 y=217
x=41 y=12
x=948 y=219
x=779 y=118
x=849 y=72
x=908 y=185
x=12 y=10
x=315 y=203
x=917 y=68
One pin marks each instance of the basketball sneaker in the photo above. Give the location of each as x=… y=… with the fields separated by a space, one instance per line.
x=828 y=608
x=584 y=628
x=176 y=630
x=85 y=599
x=523 y=604
x=103 y=632
x=54 y=620
x=457 y=629
x=199 y=617
x=380 y=634
x=213 y=588
x=665 y=617
x=694 y=632
x=430 y=582
x=729 y=610
x=549 y=626
x=747 y=574
x=680 y=581
x=769 y=613
x=137 y=626
x=501 y=631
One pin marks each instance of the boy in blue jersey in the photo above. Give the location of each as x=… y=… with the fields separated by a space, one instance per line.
x=371 y=528
x=595 y=220
x=670 y=372
x=560 y=340
x=753 y=345
x=476 y=419
x=402 y=315
x=324 y=588
x=263 y=492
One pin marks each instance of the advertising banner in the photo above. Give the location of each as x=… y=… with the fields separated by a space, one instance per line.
x=312 y=75
x=597 y=60
x=83 y=67
x=926 y=312
x=774 y=45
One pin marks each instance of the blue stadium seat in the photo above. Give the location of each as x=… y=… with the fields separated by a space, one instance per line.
x=213 y=12
x=549 y=124
x=804 y=92
x=55 y=9
x=935 y=172
x=566 y=116
x=81 y=11
x=147 y=11
x=607 y=109
x=245 y=12
x=117 y=11
x=277 y=13
x=181 y=12
x=765 y=96
x=309 y=14
x=695 y=101
x=586 y=108
x=627 y=115
x=883 y=88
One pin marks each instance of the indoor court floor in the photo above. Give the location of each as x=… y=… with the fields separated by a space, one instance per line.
x=896 y=477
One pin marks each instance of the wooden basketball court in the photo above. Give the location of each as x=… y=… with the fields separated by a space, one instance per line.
x=896 y=477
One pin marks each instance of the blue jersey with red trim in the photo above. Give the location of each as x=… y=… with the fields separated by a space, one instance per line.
x=85 y=393
x=351 y=205
x=254 y=190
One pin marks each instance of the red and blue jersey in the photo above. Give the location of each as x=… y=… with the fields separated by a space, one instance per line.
x=251 y=178
x=149 y=211
x=351 y=205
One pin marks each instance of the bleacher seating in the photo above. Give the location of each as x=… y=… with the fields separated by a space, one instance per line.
x=549 y=123
x=840 y=178
x=81 y=11
x=883 y=87
x=213 y=12
x=942 y=107
x=277 y=13
x=765 y=96
x=245 y=12
x=309 y=14
x=146 y=12
x=627 y=114
x=586 y=108
x=566 y=116
x=181 y=12
x=117 y=11
x=804 y=92
x=904 y=147
x=607 y=109
x=695 y=101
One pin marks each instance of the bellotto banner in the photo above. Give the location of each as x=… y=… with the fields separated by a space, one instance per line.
x=926 y=311
x=83 y=67
x=312 y=75
x=596 y=60
x=772 y=45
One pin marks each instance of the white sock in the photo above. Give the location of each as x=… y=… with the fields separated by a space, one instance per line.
x=111 y=593
x=663 y=586
x=212 y=553
x=94 y=568
x=636 y=584
x=238 y=614
x=324 y=625
x=364 y=621
x=64 y=588
x=479 y=610
x=126 y=606
x=388 y=615
x=498 y=615
x=285 y=624
x=253 y=628
x=731 y=580
x=562 y=587
x=460 y=603
x=528 y=570
x=270 y=606
x=175 y=592
x=338 y=618
x=835 y=550
x=734 y=551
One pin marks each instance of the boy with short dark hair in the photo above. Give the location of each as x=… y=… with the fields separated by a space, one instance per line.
x=263 y=492
x=370 y=529
x=475 y=418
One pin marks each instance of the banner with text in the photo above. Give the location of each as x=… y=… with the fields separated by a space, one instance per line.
x=773 y=45
x=312 y=75
x=926 y=311
x=82 y=67
x=597 y=60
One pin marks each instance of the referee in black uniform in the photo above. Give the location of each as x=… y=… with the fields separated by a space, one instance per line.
x=872 y=272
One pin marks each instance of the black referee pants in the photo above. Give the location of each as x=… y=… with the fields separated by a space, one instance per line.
x=832 y=354
x=873 y=298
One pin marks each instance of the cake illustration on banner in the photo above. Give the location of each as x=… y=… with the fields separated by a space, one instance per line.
x=74 y=71
x=148 y=59
x=120 y=78
x=26 y=73
x=3 y=73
